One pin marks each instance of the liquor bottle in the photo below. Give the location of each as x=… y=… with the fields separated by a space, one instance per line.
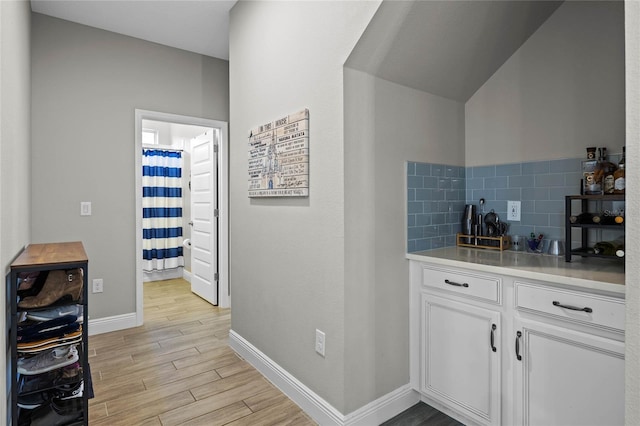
x=582 y=218
x=608 y=218
x=590 y=167
x=598 y=175
x=610 y=248
x=619 y=175
x=608 y=170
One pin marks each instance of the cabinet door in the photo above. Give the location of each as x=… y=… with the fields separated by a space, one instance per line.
x=566 y=377
x=459 y=366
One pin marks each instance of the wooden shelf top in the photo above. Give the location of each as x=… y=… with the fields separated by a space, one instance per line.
x=50 y=254
x=603 y=197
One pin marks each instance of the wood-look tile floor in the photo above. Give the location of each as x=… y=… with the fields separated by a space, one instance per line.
x=177 y=369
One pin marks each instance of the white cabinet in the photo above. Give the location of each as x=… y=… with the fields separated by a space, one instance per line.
x=559 y=349
x=565 y=374
x=460 y=359
x=456 y=335
x=565 y=377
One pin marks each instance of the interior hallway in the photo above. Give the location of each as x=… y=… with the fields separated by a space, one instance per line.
x=177 y=369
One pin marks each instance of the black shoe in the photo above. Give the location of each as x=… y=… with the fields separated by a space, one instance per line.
x=33 y=400
x=58 y=413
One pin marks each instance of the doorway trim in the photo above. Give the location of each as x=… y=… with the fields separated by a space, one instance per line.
x=224 y=299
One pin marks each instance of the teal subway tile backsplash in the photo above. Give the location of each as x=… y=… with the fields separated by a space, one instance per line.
x=437 y=194
x=566 y=165
x=482 y=171
x=509 y=170
x=535 y=168
x=540 y=186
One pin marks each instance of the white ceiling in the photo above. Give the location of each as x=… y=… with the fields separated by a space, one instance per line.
x=200 y=26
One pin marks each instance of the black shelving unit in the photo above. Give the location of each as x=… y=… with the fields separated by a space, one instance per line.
x=39 y=258
x=584 y=250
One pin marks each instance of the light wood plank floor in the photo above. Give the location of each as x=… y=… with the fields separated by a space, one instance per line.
x=177 y=369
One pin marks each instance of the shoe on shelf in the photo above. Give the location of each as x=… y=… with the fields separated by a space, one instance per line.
x=56 y=312
x=50 y=343
x=74 y=390
x=33 y=283
x=33 y=400
x=68 y=375
x=59 y=284
x=26 y=280
x=47 y=361
x=42 y=330
x=58 y=412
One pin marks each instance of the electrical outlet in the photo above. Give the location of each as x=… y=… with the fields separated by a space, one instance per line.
x=85 y=208
x=97 y=285
x=513 y=211
x=320 y=337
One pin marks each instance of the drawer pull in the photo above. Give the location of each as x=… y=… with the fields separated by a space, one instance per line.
x=573 y=308
x=518 y=335
x=493 y=329
x=456 y=284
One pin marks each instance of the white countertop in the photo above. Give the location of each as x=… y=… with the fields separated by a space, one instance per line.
x=596 y=274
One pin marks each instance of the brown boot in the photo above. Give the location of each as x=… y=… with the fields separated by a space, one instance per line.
x=59 y=284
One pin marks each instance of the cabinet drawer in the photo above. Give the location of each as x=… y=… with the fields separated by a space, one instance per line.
x=463 y=283
x=600 y=311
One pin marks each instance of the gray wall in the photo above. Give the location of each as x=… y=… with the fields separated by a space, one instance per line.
x=15 y=146
x=561 y=92
x=287 y=260
x=385 y=125
x=86 y=84
x=15 y=133
x=632 y=330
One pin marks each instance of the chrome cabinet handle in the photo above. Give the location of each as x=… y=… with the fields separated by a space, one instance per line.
x=456 y=284
x=493 y=329
x=573 y=308
x=518 y=335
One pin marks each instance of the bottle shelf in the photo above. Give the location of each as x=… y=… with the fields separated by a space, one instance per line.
x=597 y=197
x=587 y=201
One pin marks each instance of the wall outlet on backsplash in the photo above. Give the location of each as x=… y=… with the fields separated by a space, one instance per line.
x=513 y=210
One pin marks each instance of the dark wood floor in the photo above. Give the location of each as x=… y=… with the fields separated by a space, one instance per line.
x=422 y=414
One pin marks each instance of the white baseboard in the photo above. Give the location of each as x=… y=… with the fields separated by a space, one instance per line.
x=186 y=275
x=114 y=323
x=384 y=408
x=316 y=407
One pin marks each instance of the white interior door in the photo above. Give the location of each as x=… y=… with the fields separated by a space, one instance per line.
x=204 y=205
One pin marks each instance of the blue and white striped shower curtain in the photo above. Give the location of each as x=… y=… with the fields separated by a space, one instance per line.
x=161 y=209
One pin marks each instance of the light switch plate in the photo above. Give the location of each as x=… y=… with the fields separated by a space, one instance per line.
x=513 y=211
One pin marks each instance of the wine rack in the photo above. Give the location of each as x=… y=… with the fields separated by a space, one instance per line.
x=589 y=204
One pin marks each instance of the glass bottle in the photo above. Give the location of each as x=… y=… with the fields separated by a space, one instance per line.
x=608 y=169
x=593 y=181
x=619 y=175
